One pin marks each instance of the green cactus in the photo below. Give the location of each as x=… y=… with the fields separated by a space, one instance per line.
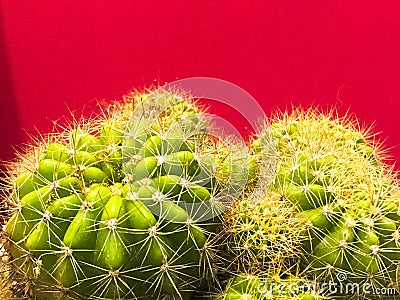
x=121 y=207
x=332 y=208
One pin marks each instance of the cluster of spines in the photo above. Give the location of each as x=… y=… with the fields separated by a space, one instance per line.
x=260 y=232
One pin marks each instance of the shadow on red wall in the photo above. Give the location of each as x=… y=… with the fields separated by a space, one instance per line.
x=10 y=129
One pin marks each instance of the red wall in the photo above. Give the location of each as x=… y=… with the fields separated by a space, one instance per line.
x=60 y=55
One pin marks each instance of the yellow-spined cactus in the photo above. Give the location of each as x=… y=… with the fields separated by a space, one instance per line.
x=335 y=204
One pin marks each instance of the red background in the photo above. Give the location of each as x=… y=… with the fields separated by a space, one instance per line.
x=59 y=55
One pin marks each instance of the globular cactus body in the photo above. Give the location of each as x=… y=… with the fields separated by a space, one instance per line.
x=122 y=212
x=332 y=209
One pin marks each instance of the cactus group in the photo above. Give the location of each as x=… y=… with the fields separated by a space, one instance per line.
x=144 y=203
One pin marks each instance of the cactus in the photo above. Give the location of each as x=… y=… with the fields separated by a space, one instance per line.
x=119 y=207
x=336 y=188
